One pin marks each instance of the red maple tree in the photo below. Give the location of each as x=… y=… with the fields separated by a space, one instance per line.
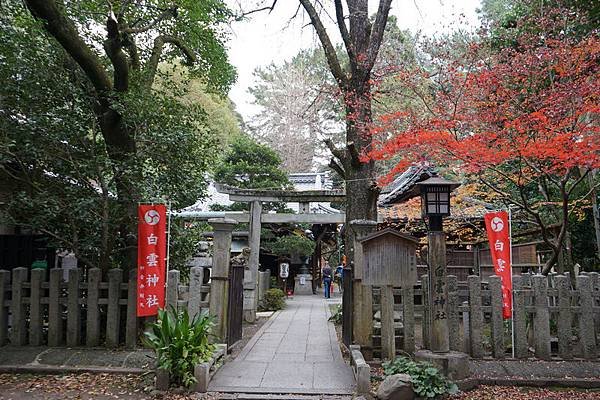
x=524 y=121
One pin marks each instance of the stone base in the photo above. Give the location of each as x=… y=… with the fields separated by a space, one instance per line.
x=453 y=364
x=303 y=284
x=250 y=305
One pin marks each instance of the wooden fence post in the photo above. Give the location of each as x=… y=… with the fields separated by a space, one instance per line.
x=113 y=313
x=92 y=334
x=497 y=320
x=453 y=314
x=73 y=310
x=475 y=316
x=131 y=320
x=55 y=322
x=541 y=321
x=35 y=307
x=388 y=336
x=4 y=281
x=519 y=318
x=408 y=318
x=565 y=319
x=586 y=320
x=425 y=314
x=18 y=311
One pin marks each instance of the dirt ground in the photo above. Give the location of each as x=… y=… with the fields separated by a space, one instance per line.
x=100 y=386
x=523 y=393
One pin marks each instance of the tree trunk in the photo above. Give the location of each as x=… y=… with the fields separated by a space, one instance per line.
x=121 y=148
x=361 y=188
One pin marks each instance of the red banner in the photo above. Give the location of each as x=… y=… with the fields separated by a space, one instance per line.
x=498 y=231
x=152 y=253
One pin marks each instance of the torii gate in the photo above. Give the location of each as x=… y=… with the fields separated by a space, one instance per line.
x=255 y=218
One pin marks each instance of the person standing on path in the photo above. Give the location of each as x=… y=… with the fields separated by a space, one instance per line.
x=327 y=278
x=339 y=276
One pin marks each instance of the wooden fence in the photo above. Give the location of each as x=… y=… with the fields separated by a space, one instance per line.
x=38 y=307
x=462 y=263
x=552 y=319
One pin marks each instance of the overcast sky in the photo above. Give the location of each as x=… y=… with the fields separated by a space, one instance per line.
x=274 y=37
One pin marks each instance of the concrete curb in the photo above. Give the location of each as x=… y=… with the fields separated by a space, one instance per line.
x=57 y=370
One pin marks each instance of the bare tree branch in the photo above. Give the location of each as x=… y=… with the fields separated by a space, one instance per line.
x=334 y=165
x=266 y=8
x=154 y=59
x=377 y=31
x=168 y=13
x=114 y=51
x=330 y=55
x=64 y=31
x=339 y=14
x=339 y=154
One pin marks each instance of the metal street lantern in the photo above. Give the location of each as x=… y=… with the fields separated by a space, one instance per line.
x=435 y=199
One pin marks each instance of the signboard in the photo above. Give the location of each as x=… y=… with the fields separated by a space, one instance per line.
x=284 y=270
x=152 y=250
x=498 y=231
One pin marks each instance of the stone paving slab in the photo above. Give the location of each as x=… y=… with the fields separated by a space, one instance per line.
x=296 y=351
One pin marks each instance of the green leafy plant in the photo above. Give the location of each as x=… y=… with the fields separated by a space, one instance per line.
x=289 y=245
x=427 y=380
x=273 y=300
x=336 y=317
x=180 y=343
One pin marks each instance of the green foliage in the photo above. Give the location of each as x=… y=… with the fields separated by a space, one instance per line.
x=180 y=343
x=428 y=381
x=508 y=19
x=186 y=238
x=248 y=164
x=292 y=245
x=64 y=180
x=337 y=316
x=273 y=300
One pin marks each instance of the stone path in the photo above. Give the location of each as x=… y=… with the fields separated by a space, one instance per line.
x=296 y=351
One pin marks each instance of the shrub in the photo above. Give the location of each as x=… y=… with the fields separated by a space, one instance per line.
x=273 y=300
x=180 y=343
x=427 y=380
x=336 y=317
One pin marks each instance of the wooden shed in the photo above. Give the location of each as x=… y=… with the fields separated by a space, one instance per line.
x=389 y=259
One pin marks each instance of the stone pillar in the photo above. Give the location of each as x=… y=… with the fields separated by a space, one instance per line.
x=362 y=323
x=251 y=274
x=219 y=287
x=438 y=292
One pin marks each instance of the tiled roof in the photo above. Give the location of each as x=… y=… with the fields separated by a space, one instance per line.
x=403 y=187
x=463 y=207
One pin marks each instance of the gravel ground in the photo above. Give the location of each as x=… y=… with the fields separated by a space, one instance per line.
x=74 y=386
x=521 y=393
x=100 y=386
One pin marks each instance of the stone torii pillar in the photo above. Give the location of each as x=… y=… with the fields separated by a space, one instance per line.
x=219 y=290
x=251 y=273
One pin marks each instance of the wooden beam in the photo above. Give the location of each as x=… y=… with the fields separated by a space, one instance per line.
x=291 y=196
x=303 y=218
